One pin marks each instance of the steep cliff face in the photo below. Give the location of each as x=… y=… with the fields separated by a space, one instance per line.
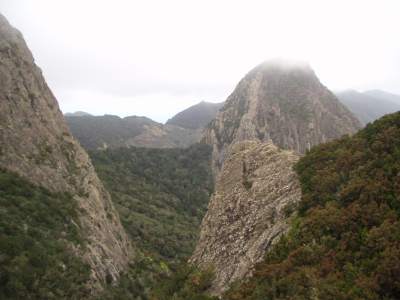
x=35 y=142
x=256 y=192
x=281 y=102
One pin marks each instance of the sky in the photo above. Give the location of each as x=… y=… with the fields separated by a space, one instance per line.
x=156 y=57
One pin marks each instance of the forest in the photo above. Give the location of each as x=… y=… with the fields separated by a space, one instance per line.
x=345 y=241
x=161 y=196
x=37 y=232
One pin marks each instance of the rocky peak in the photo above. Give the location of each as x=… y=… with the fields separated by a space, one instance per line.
x=36 y=143
x=282 y=102
x=256 y=192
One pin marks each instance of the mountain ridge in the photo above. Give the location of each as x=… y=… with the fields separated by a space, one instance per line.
x=367 y=107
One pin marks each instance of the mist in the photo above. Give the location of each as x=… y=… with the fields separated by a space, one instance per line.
x=156 y=58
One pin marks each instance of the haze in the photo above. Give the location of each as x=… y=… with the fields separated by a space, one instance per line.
x=155 y=58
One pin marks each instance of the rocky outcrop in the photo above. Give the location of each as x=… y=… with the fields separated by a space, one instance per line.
x=255 y=194
x=35 y=142
x=280 y=102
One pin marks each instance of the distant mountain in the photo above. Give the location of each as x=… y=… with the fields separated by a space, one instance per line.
x=384 y=95
x=77 y=114
x=369 y=106
x=108 y=131
x=196 y=116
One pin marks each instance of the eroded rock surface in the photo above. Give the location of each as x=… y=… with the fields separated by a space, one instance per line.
x=35 y=142
x=255 y=194
x=280 y=102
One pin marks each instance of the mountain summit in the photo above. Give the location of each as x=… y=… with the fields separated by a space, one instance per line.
x=283 y=102
x=278 y=105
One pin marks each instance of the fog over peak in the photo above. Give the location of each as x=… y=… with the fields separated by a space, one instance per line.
x=156 y=58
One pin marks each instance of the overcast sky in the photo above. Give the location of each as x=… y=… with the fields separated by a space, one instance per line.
x=155 y=58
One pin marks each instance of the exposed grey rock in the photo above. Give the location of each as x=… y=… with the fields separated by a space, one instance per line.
x=280 y=102
x=35 y=142
x=255 y=193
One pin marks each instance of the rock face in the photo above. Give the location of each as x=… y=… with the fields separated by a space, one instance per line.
x=255 y=193
x=35 y=142
x=281 y=102
x=276 y=106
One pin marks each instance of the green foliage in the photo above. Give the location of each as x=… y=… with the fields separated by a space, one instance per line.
x=139 y=280
x=161 y=195
x=37 y=231
x=345 y=242
x=187 y=282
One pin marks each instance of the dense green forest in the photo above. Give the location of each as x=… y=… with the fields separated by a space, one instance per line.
x=345 y=241
x=161 y=195
x=37 y=230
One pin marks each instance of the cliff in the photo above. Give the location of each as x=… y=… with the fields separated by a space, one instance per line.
x=256 y=193
x=280 y=102
x=36 y=143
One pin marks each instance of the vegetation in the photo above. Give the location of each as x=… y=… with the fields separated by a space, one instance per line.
x=345 y=242
x=37 y=232
x=161 y=195
x=187 y=282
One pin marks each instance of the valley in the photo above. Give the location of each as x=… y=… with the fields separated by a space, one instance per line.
x=285 y=190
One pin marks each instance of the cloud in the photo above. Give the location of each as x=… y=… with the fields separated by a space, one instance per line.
x=201 y=49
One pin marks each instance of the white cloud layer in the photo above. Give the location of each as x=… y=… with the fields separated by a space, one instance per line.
x=155 y=57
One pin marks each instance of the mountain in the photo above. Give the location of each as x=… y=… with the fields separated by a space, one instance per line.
x=384 y=95
x=108 y=131
x=196 y=116
x=255 y=193
x=43 y=161
x=282 y=102
x=345 y=241
x=77 y=114
x=277 y=112
x=366 y=107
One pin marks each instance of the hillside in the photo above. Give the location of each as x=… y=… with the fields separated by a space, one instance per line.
x=102 y=132
x=36 y=145
x=196 y=116
x=379 y=94
x=38 y=229
x=160 y=194
x=365 y=107
x=345 y=242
